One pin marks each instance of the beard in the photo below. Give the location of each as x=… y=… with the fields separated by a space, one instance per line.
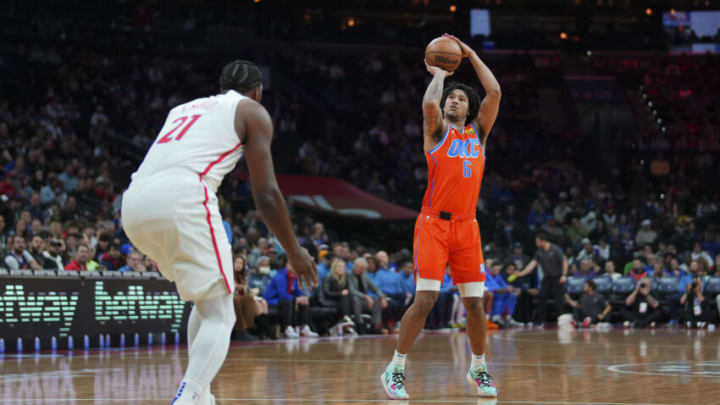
x=452 y=116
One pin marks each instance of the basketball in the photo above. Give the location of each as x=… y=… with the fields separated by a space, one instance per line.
x=443 y=53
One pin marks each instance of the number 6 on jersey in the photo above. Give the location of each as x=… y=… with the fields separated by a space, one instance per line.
x=467 y=169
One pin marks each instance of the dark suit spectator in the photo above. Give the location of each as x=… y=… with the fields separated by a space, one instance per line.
x=363 y=302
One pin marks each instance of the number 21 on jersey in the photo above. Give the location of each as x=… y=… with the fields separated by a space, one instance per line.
x=180 y=123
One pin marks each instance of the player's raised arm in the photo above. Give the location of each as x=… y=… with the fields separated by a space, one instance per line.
x=433 y=124
x=491 y=103
x=254 y=127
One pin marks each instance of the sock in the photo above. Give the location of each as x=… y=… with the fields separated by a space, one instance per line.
x=478 y=361
x=398 y=360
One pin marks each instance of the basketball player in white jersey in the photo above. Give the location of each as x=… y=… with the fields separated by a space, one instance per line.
x=170 y=212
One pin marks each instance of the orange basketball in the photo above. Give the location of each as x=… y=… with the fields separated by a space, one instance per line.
x=444 y=53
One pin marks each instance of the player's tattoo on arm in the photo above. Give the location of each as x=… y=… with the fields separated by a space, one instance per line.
x=431 y=106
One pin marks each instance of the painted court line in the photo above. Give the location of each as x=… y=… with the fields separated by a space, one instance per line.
x=478 y=401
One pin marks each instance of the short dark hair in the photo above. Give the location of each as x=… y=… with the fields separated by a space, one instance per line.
x=241 y=76
x=473 y=100
x=543 y=236
x=591 y=284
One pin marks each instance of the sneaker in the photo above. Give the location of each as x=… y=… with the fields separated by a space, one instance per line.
x=307 y=332
x=243 y=336
x=350 y=331
x=393 y=381
x=586 y=322
x=346 y=320
x=290 y=333
x=492 y=325
x=483 y=381
x=626 y=324
x=653 y=325
x=498 y=320
x=513 y=323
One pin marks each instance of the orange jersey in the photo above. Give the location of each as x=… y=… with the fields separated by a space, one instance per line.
x=455 y=171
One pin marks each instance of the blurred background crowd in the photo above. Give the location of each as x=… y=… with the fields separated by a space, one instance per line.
x=613 y=155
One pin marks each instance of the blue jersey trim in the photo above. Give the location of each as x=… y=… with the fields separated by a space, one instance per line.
x=442 y=141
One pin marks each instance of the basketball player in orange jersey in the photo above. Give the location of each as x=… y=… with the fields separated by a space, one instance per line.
x=456 y=125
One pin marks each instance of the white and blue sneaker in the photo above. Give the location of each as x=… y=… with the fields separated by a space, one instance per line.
x=393 y=381
x=480 y=378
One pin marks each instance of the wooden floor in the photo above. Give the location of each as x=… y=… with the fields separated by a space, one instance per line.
x=529 y=366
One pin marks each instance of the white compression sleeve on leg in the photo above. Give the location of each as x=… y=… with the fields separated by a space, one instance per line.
x=474 y=289
x=211 y=342
x=193 y=326
x=427 y=284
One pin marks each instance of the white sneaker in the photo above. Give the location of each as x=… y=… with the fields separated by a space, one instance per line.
x=347 y=321
x=306 y=332
x=290 y=333
x=350 y=331
x=514 y=323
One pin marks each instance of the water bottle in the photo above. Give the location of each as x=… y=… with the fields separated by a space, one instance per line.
x=137 y=339
x=101 y=340
x=19 y=345
x=71 y=343
x=150 y=338
x=122 y=340
x=177 y=338
x=86 y=341
x=2 y=345
x=37 y=344
x=108 y=341
x=53 y=343
x=163 y=339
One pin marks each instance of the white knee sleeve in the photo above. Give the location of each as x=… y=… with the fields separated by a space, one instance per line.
x=474 y=289
x=426 y=284
x=215 y=320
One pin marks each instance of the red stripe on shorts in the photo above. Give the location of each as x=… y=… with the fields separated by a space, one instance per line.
x=214 y=241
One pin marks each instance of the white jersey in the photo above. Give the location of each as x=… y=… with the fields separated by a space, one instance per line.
x=198 y=137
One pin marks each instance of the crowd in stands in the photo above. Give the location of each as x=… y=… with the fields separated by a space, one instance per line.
x=68 y=146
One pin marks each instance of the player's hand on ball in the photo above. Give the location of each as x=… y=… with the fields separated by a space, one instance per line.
x=433 y=70
x=304 y=265
x=466 y=50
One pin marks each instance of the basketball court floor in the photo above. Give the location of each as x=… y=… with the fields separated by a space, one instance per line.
x=550 y=367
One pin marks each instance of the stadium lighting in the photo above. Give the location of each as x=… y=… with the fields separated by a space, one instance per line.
x=351 y=22
x=563 y=35
x=648 y=11
x=453 y=8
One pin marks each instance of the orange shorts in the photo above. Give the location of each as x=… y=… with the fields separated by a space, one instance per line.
x=439 y=242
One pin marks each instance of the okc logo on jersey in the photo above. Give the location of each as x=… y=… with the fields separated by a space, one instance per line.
x=464 y=148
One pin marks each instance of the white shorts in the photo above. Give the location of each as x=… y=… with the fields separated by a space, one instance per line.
x=176 y=221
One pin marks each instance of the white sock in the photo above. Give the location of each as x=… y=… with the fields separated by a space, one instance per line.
x=398 y=360
x=478 y=361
